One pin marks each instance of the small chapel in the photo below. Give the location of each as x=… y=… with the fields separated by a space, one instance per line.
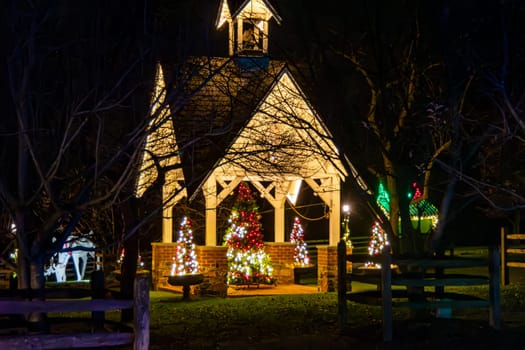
x=220 y=121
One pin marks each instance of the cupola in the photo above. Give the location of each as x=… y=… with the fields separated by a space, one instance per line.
x=248 y=25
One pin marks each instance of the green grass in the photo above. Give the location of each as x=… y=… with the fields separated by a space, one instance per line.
x=209 y=322
x=213 y=323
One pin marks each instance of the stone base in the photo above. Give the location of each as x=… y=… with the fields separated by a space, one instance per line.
x=186 y=281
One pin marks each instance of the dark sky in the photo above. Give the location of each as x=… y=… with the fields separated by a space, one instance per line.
x=468 y=35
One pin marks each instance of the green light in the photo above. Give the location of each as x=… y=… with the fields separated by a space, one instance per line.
x=383 y=198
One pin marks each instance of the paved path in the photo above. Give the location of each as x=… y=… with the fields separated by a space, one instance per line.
x=517 y=275
x=279 y=289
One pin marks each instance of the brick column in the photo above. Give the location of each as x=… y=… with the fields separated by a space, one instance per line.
x=281 y=255
x=161 y=260
x=213 y=264
x=327 y=268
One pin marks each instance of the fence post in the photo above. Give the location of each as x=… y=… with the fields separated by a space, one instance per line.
x=494 y=287
x=386 y=294
x=97 y=292
x=141 y=312
x=341 y=284
x=503 y=262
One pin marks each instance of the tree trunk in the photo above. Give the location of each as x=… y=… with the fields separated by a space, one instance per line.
x=129 y=271
x=23 y=252
x=436 y=244
x=396 y=242
x=37 y=322
x=129 y=265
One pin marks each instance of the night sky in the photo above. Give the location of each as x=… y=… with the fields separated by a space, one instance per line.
x=92 y=41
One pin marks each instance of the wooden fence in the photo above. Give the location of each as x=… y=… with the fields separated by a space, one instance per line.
x=512 y=253
x=431 y=273
x=136 y=334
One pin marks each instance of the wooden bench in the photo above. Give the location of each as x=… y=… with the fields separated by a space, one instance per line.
x=136 y=334
x=430 y=279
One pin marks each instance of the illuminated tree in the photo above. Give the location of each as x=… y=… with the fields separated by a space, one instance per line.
x=378 y=242
x=185 y=261
x=248 y=263
x=301 y=256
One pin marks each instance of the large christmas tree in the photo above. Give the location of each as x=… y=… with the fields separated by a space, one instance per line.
x=185 y=261
x=248 y=263
x=301 y=256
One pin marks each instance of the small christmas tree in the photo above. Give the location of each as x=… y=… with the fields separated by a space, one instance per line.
x=185 y=261
x=378 y=242
x=248 y=263
x=301 y=256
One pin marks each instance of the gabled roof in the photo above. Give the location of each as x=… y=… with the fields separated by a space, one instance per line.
x=214 y=98
x=285 y=120
x=213 y=102
x=160 y=149
x=231 y=9
x=284 y=136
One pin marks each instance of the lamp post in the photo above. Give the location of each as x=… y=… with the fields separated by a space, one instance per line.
x=345 y=224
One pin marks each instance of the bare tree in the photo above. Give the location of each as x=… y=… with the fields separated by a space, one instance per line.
x=400 y=87
x=422 y=116
x=70 y=151
x=486 y=162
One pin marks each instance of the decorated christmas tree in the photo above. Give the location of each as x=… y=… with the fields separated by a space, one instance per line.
x=300 y=255
x=185 y=261
x=378 y=242
x=248 y=263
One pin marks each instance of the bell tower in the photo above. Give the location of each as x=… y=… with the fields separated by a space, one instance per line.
x=247 y=25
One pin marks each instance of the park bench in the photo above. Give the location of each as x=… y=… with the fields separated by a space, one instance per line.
x=419 y=284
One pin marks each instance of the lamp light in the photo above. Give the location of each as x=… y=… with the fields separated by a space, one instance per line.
x=346 y=226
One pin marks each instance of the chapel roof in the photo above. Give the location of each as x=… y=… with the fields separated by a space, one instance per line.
x=211 y=99
x=235 y=7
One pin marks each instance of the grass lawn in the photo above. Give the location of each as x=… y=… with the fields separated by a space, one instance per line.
x=310 y=322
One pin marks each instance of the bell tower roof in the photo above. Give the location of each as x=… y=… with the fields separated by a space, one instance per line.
x=248 y=25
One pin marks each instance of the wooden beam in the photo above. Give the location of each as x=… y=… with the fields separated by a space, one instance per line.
x=277 y=200
x=335 y=212
x=227 y=188
x=279 y=220
x=210 y=197
x=66 y=341
x=36 y=306
x=329 y=190
x=266 y=191
x=167 y=225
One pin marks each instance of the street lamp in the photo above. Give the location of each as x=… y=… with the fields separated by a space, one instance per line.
x=346 y=226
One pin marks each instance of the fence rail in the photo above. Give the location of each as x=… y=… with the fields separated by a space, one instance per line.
x=359 y=244
x=424 y=280
x=136 y=335
x=512 y=253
